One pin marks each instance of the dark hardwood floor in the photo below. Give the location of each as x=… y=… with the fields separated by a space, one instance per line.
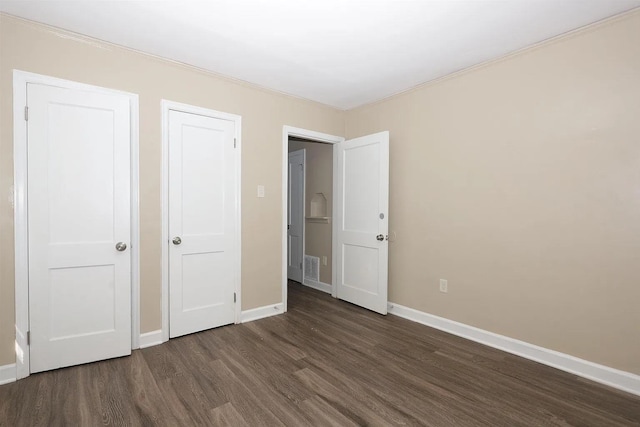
x=325 y=362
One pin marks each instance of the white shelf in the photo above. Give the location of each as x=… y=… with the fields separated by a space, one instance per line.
x=319 y=219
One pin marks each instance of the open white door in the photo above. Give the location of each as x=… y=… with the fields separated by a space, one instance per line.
x=295 y=214
x=202 y=225
x=361 y=227
x=79 y=224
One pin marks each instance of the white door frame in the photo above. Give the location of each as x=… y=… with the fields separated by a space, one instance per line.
x=20 y=216
x=304 y=202
x=167 y=106
x=287 y=132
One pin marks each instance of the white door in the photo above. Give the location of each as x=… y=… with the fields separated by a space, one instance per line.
x=362 y=220
x=202 y=226
x=295 y=213
x=79 y=223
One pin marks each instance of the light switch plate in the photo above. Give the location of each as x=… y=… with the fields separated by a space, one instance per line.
x=260 y=190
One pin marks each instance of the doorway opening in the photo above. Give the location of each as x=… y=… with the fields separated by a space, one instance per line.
x=307 y=245
x=310 y=197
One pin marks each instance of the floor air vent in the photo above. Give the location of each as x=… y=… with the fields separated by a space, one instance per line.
x=312 y=268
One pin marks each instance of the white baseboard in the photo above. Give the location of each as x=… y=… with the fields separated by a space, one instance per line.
x=7 y=373
x=603 y=374
x=261 y=312
x=149 y=339
x=317 y=285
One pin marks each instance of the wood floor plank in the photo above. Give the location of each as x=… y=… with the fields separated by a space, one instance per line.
x=226 y=415
x=242 y=396
x=150 y=402
x=325 y=362
x=320 y=413
x=281 y=402
x=341 y=400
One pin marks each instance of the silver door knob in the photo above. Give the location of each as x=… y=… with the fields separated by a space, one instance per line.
x=121 y=246
x=380 y=237
x=177 y=240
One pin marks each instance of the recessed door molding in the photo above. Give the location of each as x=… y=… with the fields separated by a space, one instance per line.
x=166 y=107
x=20 y=81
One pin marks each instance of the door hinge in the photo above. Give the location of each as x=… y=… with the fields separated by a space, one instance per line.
x=28 y=337
x=234 y=143
x=234 y=297
x=26 y=113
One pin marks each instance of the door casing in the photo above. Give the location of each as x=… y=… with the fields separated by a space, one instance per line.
x=287 y=132
x=21 y=240
x=167 y=106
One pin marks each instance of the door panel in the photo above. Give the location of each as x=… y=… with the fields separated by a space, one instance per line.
x=362 y=216
x=202 y=215
x=361 y=268
x=295 y=203
x=78 y=209
x=361 y=195
x=87 y=288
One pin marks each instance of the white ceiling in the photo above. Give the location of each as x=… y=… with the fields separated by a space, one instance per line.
x=343 y=53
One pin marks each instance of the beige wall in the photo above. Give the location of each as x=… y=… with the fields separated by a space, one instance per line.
x=39 y=49
x=519 y=182
x=319 y=179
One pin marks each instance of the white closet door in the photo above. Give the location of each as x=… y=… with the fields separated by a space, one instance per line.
x=202 y=226
x=295 y=204
x=362 y=220
x=78 y=215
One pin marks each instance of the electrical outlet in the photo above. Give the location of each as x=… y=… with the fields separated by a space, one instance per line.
x=444 y=286
x=324 y=260
x=260 y=190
